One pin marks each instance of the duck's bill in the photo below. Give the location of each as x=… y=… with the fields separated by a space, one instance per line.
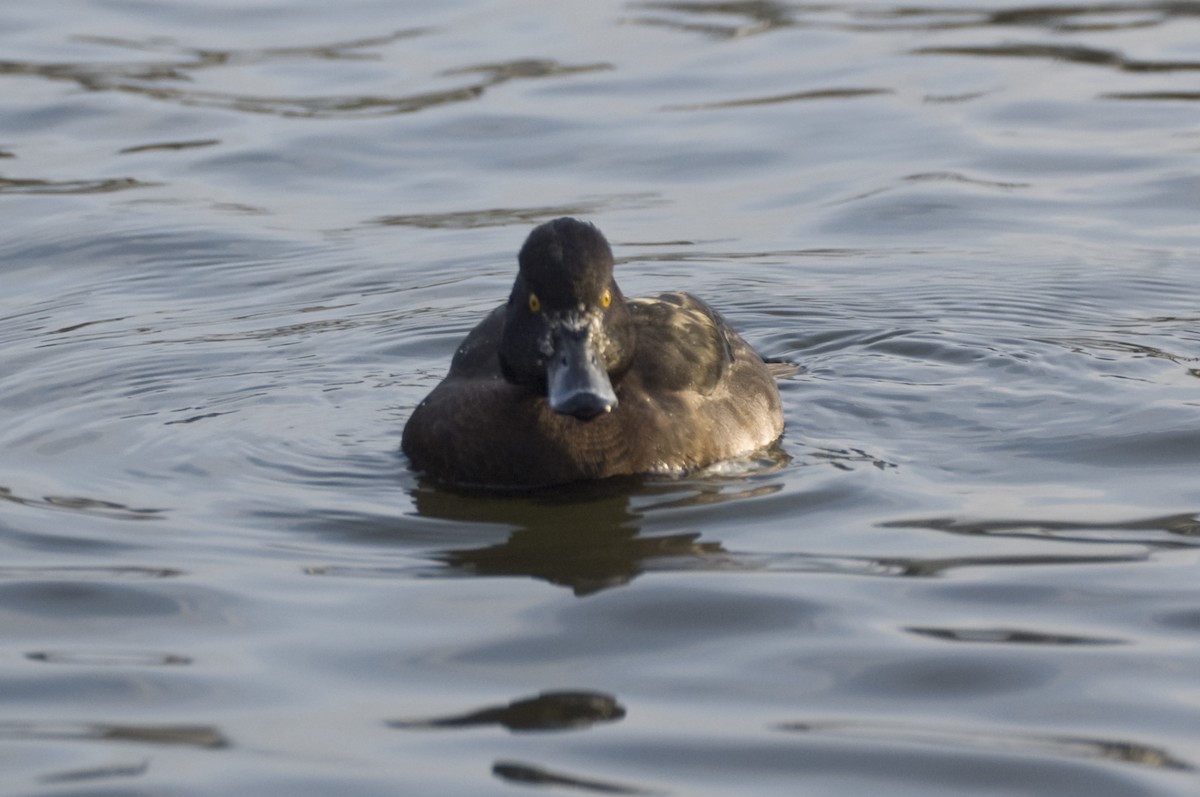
x=577 y=381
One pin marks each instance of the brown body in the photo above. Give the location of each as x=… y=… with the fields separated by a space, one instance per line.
x=690 y=393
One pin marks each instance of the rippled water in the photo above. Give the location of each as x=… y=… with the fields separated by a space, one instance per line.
x=241 y=241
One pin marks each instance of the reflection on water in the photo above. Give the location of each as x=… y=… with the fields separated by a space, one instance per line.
x=1117 y=532
x=120 y=572
x=497 y=217
x=169 y=146
x=166 y=80
x=585 y=537
x=911 y=567
x=760 y=16
x=98 y=773
x=587 y=561
x=549 y=711
x=95 y=658
x=1080 y=55
x=1015 y=636
x=183 y=735
x=1162 y=96
x=78 y=503
x=757 y=16
x=966 y=738
x=533 y=775
x=820 y=94
x=28 y=186
x=588 y=536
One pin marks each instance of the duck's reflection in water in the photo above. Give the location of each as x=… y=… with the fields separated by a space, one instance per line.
x=586 y=537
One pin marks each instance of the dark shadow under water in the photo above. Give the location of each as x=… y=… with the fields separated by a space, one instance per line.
x=586 y=537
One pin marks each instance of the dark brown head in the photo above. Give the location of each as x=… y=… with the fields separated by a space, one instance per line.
x=567 y=331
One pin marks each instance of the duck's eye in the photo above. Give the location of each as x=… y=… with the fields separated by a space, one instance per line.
x=535 y=304
x=606 y=298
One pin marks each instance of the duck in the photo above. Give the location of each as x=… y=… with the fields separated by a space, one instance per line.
x=569 y=381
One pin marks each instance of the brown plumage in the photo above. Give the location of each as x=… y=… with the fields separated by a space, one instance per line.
x=569 y=380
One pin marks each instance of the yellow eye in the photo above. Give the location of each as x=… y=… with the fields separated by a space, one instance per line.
x=535 y=304
x=606 y=298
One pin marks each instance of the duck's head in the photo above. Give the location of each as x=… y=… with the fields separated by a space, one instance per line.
x=567 y=331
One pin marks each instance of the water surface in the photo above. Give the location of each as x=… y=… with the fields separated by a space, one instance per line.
x=242 y=240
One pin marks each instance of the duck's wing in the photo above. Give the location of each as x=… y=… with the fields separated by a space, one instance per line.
x=682 y=343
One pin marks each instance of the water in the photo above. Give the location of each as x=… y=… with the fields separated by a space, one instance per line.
x=241 y=241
